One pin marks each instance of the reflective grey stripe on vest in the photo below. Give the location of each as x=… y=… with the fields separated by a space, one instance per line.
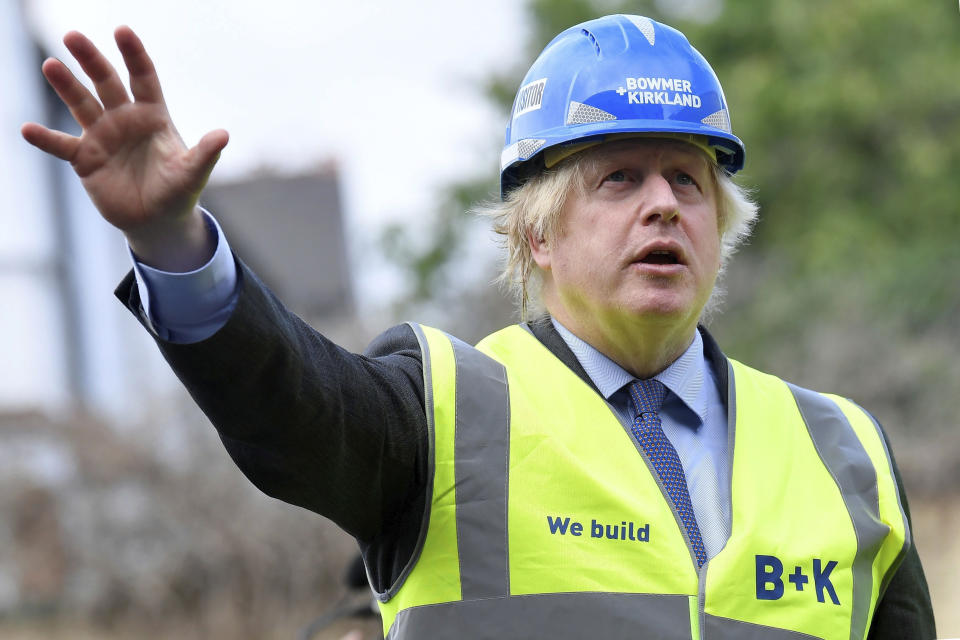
x=715 y=628
x=848 y=462
x=431 y=463
x=907 y=536
x=556 y=616
x=481 y=457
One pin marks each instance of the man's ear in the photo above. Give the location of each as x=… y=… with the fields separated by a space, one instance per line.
x=539 y=249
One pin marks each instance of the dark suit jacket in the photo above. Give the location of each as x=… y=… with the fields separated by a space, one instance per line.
x=345 y=435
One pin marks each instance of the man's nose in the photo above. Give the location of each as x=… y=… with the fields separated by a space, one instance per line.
x=659 y=203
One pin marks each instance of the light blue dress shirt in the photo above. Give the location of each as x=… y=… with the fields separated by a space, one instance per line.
x=694 y=419
x=189 y=307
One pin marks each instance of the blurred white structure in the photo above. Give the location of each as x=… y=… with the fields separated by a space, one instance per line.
x=89 y=412
x=65 y=342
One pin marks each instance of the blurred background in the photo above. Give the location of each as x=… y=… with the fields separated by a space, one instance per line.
x=361 y=134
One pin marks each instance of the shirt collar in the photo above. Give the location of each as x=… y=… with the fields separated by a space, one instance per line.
x=684 y=377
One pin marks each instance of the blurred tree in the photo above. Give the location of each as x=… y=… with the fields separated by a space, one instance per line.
x=850 y=113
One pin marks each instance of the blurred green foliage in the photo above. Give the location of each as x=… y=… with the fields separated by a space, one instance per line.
x=850 y=113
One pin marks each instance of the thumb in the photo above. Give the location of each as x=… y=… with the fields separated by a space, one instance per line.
x=203 y=157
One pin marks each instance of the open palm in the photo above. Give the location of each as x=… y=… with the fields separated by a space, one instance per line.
x=129 y=156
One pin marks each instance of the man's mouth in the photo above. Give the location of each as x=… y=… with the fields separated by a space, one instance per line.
x=660 y=256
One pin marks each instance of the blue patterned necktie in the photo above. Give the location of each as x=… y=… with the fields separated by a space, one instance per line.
x=647 y=397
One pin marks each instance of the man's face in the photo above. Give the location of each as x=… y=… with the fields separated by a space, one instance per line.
x=641 y=242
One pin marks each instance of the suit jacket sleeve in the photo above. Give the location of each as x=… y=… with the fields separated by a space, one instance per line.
x=309 y=423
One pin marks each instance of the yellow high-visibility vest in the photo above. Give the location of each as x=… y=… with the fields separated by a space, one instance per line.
x=546 y=519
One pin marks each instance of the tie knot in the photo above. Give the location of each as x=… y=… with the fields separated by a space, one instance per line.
x=647 y=395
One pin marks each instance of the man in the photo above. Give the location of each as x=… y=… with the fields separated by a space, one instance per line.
x=603 y=469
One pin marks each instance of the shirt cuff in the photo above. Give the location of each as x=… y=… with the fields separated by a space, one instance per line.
x=191 y=306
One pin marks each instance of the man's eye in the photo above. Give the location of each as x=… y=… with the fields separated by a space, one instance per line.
x=685 y=179
x=616 y=176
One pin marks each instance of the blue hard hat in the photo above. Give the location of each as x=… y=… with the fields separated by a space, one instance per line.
x=614 y=75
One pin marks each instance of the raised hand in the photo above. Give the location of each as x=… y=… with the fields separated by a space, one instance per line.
x=130 y=158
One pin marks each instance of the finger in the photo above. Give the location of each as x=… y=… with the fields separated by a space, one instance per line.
x=202 y=158
x=56 y=143
x=143 y=76
x=79 y=100
x=105 y=79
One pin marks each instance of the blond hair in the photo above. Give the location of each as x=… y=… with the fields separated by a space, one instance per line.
x=535 y=207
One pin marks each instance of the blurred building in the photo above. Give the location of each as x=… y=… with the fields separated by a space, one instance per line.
x=73 y=361
x=290 y=231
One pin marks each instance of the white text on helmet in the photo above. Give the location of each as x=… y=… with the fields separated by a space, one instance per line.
x=662 y=97
x=658 y=84
x=530 y=97
x=672 y=91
